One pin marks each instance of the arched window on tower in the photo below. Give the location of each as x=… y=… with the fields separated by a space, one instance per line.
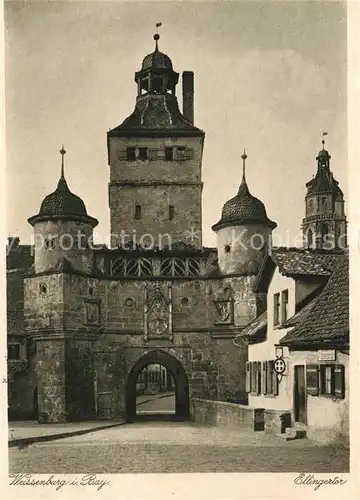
x=137 y=211
x=310 y=238
x=324 y=233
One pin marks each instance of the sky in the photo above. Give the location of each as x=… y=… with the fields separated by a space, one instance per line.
x=269 y=77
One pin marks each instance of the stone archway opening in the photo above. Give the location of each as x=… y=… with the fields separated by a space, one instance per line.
x=176 y=378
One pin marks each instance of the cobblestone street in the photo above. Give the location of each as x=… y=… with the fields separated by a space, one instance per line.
x=176 y=447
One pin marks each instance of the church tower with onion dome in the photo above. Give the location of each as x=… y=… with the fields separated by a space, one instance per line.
x=243 y=232
x=155 y=158
x=324 y=224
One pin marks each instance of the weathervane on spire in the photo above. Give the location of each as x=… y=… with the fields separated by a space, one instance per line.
x=63 y=153
x=323 y=139
x=244 y=156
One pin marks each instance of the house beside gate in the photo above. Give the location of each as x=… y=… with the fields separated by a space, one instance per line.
x=298 y=363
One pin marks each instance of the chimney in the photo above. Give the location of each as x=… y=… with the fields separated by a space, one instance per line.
x=188 y=95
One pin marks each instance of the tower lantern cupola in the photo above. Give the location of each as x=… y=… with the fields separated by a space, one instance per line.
x=156 y=75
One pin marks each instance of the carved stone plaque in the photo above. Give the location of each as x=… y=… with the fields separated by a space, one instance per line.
x=223 y=312
x=157 y=311
x=92 y=313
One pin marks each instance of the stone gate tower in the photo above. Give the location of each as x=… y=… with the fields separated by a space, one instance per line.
x=155 y=159
x=324 y=224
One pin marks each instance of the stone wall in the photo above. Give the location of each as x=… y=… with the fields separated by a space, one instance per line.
x=226 y=414
x=51 y=380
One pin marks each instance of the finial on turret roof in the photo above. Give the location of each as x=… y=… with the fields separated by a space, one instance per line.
x=156 y=38
x=244 y=156
x=63 y=153
x=323 y=139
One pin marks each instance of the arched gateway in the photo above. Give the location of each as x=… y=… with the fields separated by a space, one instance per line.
x=177 y=370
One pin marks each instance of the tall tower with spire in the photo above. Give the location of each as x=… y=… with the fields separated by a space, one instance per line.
x=324 y=224
x=155 y=159
x=243 y=232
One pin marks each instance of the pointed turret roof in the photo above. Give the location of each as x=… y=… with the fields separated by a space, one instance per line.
x=62 y=203
x=244 y=208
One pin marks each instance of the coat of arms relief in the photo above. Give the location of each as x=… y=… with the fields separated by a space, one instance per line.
x=157 y=311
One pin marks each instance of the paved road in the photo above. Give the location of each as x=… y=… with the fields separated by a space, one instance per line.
x=176 y=447
x=159 y=403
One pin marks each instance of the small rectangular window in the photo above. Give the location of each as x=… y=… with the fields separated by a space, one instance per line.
x=171 y=212
x=131 y=154
x=169 y=154
x=276 y=308
x=143 y=154
x=284 y=305
x=137 y=212
x=14 y=351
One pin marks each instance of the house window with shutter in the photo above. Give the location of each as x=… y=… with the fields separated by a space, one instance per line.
x=332 y=380
x=327 y=379
x=248 y=377
x=271 y=381
x=312 y=380
x=284 y=305
x=276 y=308
x=339 y=381
x=253 y=377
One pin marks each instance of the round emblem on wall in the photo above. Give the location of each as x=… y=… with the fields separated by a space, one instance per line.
x=279 y=366
x=130 y=302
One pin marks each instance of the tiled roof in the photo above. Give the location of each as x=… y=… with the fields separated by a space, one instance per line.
x=328 y=320
x=20 y=257
x=62 y=202
x=298 y=317
x=156 y=60
x=298 y=261
x=156 y=113
x=255 y=329
x=243 y=208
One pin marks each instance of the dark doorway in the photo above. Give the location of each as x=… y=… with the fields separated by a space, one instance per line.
x=300 y=395
x=179 y=383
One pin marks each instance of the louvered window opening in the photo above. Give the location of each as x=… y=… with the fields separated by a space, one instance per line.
x=180 y=267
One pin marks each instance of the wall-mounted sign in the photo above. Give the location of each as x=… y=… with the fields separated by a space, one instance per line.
x=279 y=366
x=327 y=355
